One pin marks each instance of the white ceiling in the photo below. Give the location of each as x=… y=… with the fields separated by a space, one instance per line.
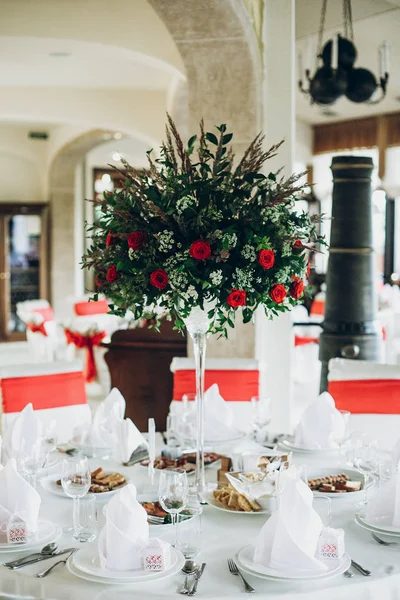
x=30 y=61
x=375 y=21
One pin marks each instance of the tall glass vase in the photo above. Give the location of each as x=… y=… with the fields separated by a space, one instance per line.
x=197 y=325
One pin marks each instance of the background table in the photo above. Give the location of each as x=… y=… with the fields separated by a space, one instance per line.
x=223 y=535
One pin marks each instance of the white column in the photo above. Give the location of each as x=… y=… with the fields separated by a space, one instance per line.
x=79 y=202
x=274 y=339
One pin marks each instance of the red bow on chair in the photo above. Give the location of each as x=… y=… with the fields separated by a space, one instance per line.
x=37 y=328
x=86 y=341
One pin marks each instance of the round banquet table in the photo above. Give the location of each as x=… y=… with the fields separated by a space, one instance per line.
x=223 y=535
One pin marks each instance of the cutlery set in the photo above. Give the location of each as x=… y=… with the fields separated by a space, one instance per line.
x=189 y=587
x=47 y=552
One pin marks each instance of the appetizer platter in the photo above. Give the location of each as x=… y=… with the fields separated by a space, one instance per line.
x=187 y=462
x=339 y=483
x=104 y=483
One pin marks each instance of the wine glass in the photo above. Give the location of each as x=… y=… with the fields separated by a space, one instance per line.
x=75 y=481
x=50 y=438
x=173 y=492
x=366 y=460
x=260 y=415
x=32 y=457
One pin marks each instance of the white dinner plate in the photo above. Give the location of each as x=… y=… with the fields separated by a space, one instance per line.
x=244 y=560
x=86 y=563
x=209 y=498
x=351 y=473
x=47 y=532
x=288 y=445
x=379 y=525
x=50 y=484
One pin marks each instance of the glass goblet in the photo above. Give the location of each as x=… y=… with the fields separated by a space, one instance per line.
x=75 y=481
x=366 y=460
x=173 y=492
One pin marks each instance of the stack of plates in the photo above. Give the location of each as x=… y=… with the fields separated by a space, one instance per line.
x=244 y=560
x=47 y=532
x=85 y=564
x=379 y=525
x=288 y=444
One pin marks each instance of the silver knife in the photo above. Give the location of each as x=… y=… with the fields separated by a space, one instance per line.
x=39 y=559
x=196 y=581
x=361 y=569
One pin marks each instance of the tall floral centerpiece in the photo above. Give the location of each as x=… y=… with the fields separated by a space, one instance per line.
x=204 y=236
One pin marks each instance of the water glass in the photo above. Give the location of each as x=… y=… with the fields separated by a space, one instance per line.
x=173 y=493
x=75 y=481
x=30 y=459
x=260 y=414
x=190 y=533
x=85 y=519
x=366 y=460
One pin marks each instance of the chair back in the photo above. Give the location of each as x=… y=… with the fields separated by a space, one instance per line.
x=55 y=390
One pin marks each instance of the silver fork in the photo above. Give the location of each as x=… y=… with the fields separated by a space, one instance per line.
x=59 y=562
x=155 y=520
x=382 y=542
x=187 y=584
x=235 y=571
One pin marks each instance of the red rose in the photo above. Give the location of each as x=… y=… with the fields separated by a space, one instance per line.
x=200 y=250
x=159 y=279
x=297 y=246
x=296 y=288
x=137 y=240
x=112 y=274
x=278 y=293
x=110 y=240
x=266 y=258
x=236 y=298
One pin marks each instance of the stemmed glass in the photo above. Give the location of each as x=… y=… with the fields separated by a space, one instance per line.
x=173 y=492
x=366 y=460
x=31 y=458
x=260 y=414
x=75 y=481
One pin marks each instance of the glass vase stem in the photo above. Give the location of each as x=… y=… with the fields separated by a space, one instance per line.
x=199 y=347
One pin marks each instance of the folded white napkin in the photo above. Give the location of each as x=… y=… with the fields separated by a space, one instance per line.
x=218 y=418
x=321 y=426
x=288 y=540
x=128 y=439
x=126 y=532
x=18 y=498
x=386 y=503
x=22 y=435
x=105 y=420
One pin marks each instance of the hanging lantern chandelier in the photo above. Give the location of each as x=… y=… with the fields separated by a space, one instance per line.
x=335 y=73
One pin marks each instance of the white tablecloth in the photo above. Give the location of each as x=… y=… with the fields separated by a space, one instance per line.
x=223 y=535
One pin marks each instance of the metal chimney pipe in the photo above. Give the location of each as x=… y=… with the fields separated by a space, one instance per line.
x=350 y=328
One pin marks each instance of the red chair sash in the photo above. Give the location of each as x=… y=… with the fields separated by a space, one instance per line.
x=43 y=391
x=233 y=385
x=318 y=307
x=86 y=341
x=300 y=340
x=99 y=307
x=37 y=328
x=366 y=396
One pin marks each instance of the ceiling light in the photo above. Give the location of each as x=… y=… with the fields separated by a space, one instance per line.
x=117 y=135
x=337 y=76
x=106 y=178
x=116 y=156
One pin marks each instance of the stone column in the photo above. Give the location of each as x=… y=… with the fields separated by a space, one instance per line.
x=274 y=339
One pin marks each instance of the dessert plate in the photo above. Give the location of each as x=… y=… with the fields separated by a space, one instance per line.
x=87 y=565
x=50 y=485
x=244 y=560
x=47 y=532
x=209 y=498
x=377 y=525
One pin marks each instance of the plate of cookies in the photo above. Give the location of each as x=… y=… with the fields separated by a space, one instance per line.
x=337 y=483
x=229 y=500
x=104 y=483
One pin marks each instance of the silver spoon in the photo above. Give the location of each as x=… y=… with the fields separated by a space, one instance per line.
x=47 y=550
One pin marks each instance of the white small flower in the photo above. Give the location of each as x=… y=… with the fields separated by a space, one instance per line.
x=183 y=203
x=216 y=277
x=243 y=279
x=230 y=239
x=132 y=254
x=166 y=240
x=249 y=252
x=191 y=292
